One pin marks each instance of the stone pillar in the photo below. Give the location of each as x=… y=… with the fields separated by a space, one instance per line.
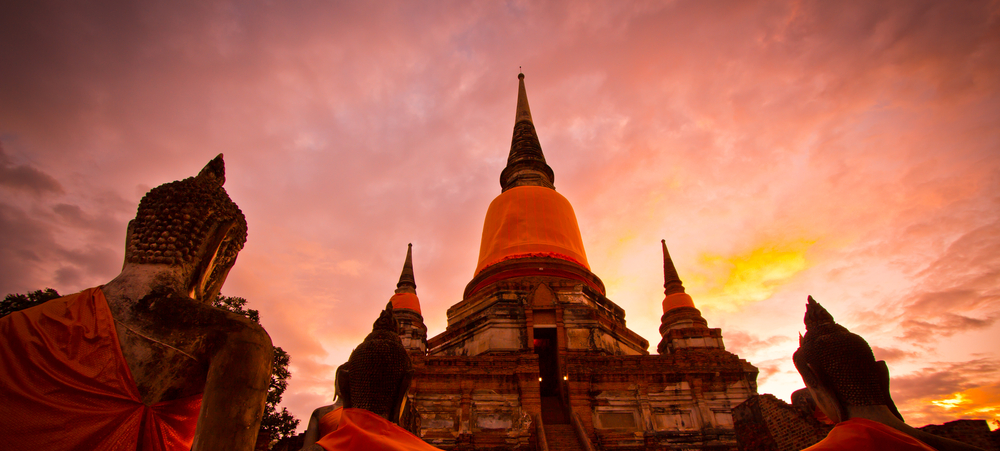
x=465 y=422
x=529 y=324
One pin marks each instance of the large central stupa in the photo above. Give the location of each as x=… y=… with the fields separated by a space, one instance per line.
x=536 y=354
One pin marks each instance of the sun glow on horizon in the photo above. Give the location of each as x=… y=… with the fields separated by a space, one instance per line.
x=951 y=403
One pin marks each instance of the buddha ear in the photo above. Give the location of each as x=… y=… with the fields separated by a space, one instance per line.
x=825 y=395
x=883 y=373
x=344 y=382
x=399 y=401
x=201 y=284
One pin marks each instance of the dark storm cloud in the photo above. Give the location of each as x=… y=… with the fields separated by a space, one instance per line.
x=31 y=257
x=25 y=248
x=25 y=178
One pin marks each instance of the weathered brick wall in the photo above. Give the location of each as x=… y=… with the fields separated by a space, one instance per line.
x=481 y=402
x=766 y=423
x=973 y=432
x=752 y=433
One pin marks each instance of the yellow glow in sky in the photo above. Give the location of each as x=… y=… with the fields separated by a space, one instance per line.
x=730 y=282
x=980 y=402
x=951 y=403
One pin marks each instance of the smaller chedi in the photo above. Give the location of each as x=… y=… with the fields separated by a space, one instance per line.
x=144 y=362
x=406 y=308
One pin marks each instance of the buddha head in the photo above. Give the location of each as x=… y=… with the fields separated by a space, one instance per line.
x=191 y=229
x=838 y=367
x=378 y=373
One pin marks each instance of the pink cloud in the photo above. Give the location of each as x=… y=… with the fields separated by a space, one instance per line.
x=350 y=130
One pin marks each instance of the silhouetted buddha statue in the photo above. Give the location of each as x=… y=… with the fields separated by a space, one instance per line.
x=144 y=362
x=372 y=385
x=852 y=390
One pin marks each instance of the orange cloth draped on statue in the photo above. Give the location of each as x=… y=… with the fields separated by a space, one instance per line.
x=66 y=384
x=328 y=423
x=361 y=430
x=530 y=221
x=866 y=435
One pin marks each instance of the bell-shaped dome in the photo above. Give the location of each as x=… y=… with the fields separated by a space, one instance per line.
x=530 y=221
x=405 y=301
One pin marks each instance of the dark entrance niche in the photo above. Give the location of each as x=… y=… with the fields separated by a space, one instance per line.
x=548 y=366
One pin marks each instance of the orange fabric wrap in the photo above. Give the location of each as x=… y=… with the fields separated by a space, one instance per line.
x=530 y=221
x=865 y=435
x=675 y=300
x=361 y=430
x=405 y=300
x=67 y=386
x=329 y=422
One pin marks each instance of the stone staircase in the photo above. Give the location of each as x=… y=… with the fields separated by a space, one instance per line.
x=559 y=432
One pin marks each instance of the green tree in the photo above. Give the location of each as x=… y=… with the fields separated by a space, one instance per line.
x=279 y=424
x=16 y=301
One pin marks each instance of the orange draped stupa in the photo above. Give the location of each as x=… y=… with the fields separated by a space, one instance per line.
x=860 y=434
x=530 y=221
x=66 y=385
x=361 y=430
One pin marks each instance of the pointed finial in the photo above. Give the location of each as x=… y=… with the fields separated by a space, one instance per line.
x=523 y=112
x=526 y=164
x=816 y=315
x=407 y=283
x=671 y=281
x=214 y=172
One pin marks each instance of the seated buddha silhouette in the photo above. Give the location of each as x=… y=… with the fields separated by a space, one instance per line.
x=852 y=390
x=372 y=386
x=144 y=362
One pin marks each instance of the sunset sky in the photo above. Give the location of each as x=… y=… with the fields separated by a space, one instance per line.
x=849 y=150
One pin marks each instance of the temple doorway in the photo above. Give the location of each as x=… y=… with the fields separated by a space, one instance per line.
x=548 y=365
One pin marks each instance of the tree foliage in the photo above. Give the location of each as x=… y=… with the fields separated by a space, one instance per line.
x=280 y=424
x=17 y=301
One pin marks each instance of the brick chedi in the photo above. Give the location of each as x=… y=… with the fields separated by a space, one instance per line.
x=536 y=354
x=406 y=308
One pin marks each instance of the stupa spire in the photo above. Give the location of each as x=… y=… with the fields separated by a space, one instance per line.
x=681 y=320
x=407 y=284
x=671 y=281
x=526 y=164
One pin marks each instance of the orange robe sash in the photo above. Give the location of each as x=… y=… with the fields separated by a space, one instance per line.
x=66 y=385
x=361 y=430
x=329 y=422
x=865 y=435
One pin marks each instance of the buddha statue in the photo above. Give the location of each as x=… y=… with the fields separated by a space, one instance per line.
x=372 y=386
x=144 y=361
x=852 y=390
